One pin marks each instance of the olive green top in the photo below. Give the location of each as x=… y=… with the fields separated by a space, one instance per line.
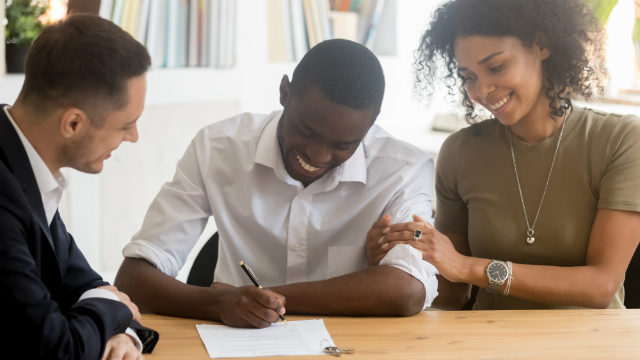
x=597 y=167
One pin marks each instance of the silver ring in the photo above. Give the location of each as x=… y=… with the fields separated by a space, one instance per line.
x=417 y=234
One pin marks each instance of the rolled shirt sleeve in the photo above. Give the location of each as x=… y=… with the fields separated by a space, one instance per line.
x=414 y=198
x=409 y=259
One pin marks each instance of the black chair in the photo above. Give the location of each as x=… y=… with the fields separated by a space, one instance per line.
x=201 y=273
x=632 y=282
x=472 y=299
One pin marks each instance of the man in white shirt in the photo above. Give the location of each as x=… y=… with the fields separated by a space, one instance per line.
x=83 y=92
x=293 y=194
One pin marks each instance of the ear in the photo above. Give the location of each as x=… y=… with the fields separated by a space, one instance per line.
x=73 y=121
x=285 y=86
x=541 y=46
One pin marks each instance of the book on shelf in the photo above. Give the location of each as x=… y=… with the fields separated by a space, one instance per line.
x=223 y=33
x=213 y=26
x=227 y=33
x=341 y=5
x=193 y=55
x=372 y=26
x=277 y=49
x=298 y=30
x=106 y=9
x=344 y=24
x=322 y=13
x=116 y=14
x=310 y=23
x=156 y=33
x=202 y=43
x=143 y=23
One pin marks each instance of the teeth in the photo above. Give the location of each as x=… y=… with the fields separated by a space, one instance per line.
x=306 y=166
x=499 y=103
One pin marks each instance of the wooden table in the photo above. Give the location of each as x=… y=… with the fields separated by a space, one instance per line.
x=530 y=334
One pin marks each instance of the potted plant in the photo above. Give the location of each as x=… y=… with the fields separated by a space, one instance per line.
x=22 y=27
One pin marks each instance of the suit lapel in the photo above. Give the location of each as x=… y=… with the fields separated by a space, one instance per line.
x=60 y=240
x=18 y=163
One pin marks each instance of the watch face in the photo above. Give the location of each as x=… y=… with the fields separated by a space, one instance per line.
x=497 y=271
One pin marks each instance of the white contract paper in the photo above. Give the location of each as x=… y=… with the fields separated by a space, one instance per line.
x=305 y=337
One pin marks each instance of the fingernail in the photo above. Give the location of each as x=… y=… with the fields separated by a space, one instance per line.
x=381 y=240
x=384 y=246
x=385 y=230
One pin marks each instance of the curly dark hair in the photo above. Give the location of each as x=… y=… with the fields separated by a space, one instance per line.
x=573 y=35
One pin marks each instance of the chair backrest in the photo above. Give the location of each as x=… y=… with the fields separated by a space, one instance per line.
x=632 y=282
x=201 y=273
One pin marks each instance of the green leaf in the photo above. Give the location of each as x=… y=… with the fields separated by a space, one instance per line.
x=23 y=24
x=602 y=8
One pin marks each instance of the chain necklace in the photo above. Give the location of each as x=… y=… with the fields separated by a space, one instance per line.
x=530 y=227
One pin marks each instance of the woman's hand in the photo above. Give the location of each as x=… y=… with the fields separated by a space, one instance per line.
x=375 y=252
x=436 y=248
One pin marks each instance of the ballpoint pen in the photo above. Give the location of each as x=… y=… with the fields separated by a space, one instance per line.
x=254 y=280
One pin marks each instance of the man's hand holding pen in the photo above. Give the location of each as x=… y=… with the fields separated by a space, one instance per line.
x=248 y=306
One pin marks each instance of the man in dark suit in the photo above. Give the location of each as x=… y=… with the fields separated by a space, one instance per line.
x=83 y=92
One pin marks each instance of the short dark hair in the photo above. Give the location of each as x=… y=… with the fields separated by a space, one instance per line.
x=568 y=28
x=85 y=62
x=346 y=72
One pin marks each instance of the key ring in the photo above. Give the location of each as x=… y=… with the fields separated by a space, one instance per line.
x=337 y=352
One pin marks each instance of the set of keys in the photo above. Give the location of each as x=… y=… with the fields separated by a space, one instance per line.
x=337 y=352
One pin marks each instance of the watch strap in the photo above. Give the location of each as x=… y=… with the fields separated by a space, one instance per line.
x=494 y=285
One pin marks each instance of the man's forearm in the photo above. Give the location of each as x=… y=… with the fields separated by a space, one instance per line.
x=154 y=291
x=378 y=290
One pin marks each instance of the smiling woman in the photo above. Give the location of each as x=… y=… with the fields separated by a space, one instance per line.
x=539 y=205
x=568 y=30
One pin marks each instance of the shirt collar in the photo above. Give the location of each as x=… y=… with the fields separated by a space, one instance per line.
x=268 y=149
x=47 y=182
x=268 y=154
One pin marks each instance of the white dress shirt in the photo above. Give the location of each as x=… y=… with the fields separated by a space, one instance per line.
x=51 y=187
x=233 y=170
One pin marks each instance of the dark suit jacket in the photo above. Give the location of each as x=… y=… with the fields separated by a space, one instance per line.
x=43 y=273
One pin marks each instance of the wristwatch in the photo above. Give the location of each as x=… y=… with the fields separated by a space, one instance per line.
x=498 y=273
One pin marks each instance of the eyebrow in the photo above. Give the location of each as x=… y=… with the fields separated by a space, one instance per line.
x=304 y=125
x=484 y=60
